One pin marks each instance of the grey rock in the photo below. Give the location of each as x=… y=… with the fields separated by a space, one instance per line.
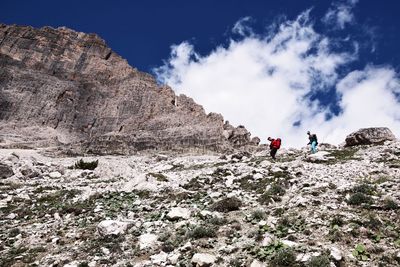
x=367 y=136
x=203 y=259
x=82 y=97
x=111 y=227
x=5 y=171
x=336 y=254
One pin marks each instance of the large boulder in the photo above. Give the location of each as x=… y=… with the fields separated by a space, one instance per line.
x=178 y=213
x=203 y=259
x=111 y=227
x=5 y=171
x=368 y=136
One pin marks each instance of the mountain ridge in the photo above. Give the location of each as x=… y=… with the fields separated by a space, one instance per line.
x=76 y=93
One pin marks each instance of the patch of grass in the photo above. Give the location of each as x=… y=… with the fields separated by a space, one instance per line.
x=382 y=179
x=236 y=262
x=158 y=176
x=319 y=261
x=83 y=165
x=390 y=204
x=279 y=212
x=283 y=258
x=258 y=215
x=216 y=221
x=364 y=188
x=361 y=194
x=202 y=232
x=360 y=252
x=267 y=252
x=295 y=223
x=335 y=234
x=337 y=220
x=227 y=204
x=339 y=156
x=344 y=154
x=358 y=199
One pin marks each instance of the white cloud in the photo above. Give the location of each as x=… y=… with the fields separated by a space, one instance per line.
x=265 y=83
x=241 y=27
x=340 y=14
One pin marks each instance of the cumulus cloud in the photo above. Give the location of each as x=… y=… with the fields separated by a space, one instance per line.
x=267 y=82
x=340 y=14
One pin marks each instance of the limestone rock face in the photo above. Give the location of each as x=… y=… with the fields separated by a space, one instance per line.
x=367 y=136
x=66 y=88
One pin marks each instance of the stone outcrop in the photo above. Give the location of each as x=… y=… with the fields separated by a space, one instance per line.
x=111 y=227
x=368 y=136
x=69 y=89
x=5 y=171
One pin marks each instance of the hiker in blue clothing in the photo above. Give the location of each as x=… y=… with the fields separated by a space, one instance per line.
x=313 y=142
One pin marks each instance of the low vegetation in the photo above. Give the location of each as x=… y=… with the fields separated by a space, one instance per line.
x=83 y=165
x=227 y=204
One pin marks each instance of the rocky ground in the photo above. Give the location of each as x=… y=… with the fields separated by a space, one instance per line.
x=339 y=207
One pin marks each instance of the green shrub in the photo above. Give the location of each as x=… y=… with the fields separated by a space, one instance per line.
x=319 y=261
x=267 y=252
x=360 y=253
x=227 y=204
x=258 y=215
x=202 y=232
x=337 y=220
x=390 y=204
x=90 y=165
x=364 y=188
x=283 y=258
x=359 y=198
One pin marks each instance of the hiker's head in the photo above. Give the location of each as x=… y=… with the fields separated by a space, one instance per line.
x=269 y=138
x=308 y=132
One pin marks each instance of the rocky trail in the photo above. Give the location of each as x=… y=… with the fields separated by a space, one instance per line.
x=339 y=207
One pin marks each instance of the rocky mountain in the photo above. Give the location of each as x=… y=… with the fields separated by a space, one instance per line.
x=68 y=89
x=338 y=207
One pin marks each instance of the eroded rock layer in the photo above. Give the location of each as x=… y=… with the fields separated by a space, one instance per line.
x=61 y=87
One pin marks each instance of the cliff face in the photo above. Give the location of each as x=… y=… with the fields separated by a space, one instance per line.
x=58 y=86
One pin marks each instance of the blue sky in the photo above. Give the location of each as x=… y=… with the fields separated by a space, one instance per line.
x=142 y=31
x=341 y=48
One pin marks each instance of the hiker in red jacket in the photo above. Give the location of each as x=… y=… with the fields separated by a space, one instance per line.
x=274 y=146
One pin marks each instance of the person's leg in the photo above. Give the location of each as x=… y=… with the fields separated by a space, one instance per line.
x=314 y=147
x=273 y=152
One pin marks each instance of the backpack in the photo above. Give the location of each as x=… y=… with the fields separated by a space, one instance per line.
x=276 y=143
